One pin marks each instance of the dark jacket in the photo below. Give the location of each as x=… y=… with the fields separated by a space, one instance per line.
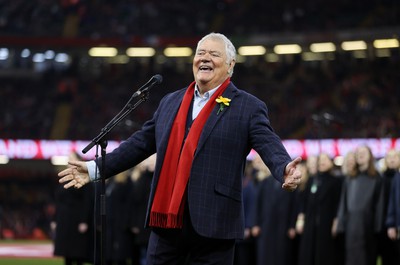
x=74 y=206
x=393 y=212
x=318 y=246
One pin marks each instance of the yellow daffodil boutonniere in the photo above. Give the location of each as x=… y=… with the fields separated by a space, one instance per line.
x=222 y=103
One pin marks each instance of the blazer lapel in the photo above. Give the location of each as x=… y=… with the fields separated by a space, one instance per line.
x=230 y=92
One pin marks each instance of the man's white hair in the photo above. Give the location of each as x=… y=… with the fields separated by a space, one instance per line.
x=229 y=47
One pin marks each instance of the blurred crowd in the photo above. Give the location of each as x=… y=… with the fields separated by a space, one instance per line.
x=341 y=214
x=126 y=18
x=341 y=98
x=344 y=97
x=27 y=206
x=78 y=231
x=39 y=209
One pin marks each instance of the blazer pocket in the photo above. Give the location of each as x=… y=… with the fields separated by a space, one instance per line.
x=228 y=192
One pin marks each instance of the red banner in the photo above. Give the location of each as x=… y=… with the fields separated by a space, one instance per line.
x=46 y=149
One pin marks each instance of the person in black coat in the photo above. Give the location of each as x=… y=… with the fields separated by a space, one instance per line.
x=387 y=249
x=297 y=215
x=245 y=249
x=393 y=213
x=318 y=245
x=119 y=243
x=141 y=177
x=73 y=224
x=274 y=226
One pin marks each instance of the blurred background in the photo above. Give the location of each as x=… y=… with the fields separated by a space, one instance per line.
x=326 y=70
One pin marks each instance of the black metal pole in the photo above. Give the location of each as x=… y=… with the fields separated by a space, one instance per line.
x=103 y=211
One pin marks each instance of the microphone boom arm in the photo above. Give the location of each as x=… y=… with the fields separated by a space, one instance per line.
x=117 y=119
x=143 y=92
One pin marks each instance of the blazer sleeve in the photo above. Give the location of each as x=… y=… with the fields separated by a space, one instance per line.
x=267 y=143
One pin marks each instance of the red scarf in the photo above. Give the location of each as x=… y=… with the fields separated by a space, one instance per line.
x=169 y=201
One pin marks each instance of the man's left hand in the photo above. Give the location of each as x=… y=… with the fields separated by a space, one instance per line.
x=292 y=177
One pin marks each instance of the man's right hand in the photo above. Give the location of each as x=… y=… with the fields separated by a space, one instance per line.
x=76 y=175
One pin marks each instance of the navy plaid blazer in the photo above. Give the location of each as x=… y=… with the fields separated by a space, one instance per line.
x=214 y=191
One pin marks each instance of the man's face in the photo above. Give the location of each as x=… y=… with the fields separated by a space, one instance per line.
x=209 y=64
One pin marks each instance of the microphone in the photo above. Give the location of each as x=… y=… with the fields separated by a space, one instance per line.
x=155 y=80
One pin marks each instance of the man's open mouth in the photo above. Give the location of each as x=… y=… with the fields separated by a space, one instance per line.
x=205 y=68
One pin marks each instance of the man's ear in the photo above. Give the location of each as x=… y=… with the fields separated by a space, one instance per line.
x=231 y=65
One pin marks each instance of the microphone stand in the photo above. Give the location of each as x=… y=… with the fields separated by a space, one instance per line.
x=99 y=140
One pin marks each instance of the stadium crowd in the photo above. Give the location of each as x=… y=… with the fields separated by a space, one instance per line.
x=125 y=18
x=360 y=98
x=357 y=96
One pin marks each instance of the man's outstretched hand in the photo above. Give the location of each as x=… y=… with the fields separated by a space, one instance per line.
x=292 y=177
x=76 y=175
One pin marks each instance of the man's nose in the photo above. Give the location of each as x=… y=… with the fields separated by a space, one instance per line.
x=205 y=57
